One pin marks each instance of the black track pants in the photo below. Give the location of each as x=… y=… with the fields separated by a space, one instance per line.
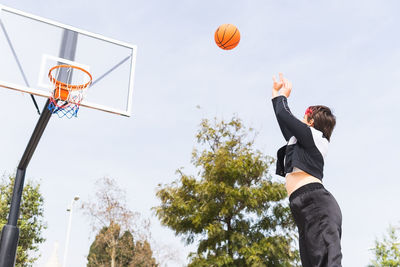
x=319 y=221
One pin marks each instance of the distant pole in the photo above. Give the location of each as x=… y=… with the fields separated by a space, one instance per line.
x=10 y=232
x=70 y=209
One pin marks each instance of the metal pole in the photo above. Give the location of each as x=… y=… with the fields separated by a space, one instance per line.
x=10 y=232
x=71 y=207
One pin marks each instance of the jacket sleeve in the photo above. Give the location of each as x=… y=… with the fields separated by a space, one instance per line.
x=285 y=131
x=289 y=124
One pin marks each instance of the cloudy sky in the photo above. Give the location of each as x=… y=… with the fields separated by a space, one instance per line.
x=343 y=54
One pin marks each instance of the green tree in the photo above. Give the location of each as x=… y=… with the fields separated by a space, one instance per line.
x=127 y=252
x=117 y=228
x=31 y=223
x=143 y=255
x=234 y=210
x=387 y=251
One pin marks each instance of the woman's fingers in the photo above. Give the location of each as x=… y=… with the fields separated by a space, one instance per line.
x=276 y=85
x=287 y=83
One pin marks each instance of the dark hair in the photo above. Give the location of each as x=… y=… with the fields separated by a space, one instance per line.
x=324 y=120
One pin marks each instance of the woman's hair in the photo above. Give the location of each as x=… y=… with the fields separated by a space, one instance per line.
x=324 y=120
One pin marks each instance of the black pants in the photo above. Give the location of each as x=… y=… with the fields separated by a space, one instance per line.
x=319 y=221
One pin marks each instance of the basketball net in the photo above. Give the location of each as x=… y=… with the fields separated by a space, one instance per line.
x=66 y=97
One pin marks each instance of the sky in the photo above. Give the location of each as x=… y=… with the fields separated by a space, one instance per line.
x=342 y=54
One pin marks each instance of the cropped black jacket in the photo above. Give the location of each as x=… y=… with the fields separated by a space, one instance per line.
x=306 y=147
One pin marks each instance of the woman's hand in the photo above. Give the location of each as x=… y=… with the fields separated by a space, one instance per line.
x=276 y=86
x=283 y=84
x=287 y=88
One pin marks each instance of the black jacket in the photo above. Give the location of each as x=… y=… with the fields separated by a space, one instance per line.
x=306 y=147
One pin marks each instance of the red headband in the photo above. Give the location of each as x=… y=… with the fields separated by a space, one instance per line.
x=308 y=112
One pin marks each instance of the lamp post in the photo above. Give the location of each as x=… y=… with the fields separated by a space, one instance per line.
x=69 y=209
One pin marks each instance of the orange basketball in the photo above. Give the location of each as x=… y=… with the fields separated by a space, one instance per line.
x=227 y=36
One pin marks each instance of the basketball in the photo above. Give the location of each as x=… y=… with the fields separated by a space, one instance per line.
x=227 y=36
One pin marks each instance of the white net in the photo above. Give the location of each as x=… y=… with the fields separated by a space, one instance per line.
x=69 y=88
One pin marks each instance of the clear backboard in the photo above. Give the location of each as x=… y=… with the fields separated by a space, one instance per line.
x=31 y=45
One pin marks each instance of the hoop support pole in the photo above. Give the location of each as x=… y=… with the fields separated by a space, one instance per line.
x=10 y=232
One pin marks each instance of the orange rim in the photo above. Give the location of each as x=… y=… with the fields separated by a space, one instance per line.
x=67 y=86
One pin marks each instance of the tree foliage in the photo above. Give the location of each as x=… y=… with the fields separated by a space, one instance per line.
x=117 y=229
x=234 y=210
x=143 y=255
x=127 y=252
x=387 y=251
x=31 y=223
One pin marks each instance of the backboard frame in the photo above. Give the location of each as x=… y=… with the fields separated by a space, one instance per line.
x=38 y=92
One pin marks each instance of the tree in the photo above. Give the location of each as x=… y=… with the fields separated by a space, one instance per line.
x=234 y=210
x=387 y=251
x=128 y=253
x=117 y=228
x=31 y=223
x=143 y=255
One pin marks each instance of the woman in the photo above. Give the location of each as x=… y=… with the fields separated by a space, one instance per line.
x=301 y=161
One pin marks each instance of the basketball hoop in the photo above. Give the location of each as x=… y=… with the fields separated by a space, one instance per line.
x=67 y=96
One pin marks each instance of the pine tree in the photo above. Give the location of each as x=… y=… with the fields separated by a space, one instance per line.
x=117 y=227
x=127 y=252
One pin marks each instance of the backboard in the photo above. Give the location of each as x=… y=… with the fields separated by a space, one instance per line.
x=31 y=45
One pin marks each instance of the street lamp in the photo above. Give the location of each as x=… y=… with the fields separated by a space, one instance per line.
x=69 y=209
